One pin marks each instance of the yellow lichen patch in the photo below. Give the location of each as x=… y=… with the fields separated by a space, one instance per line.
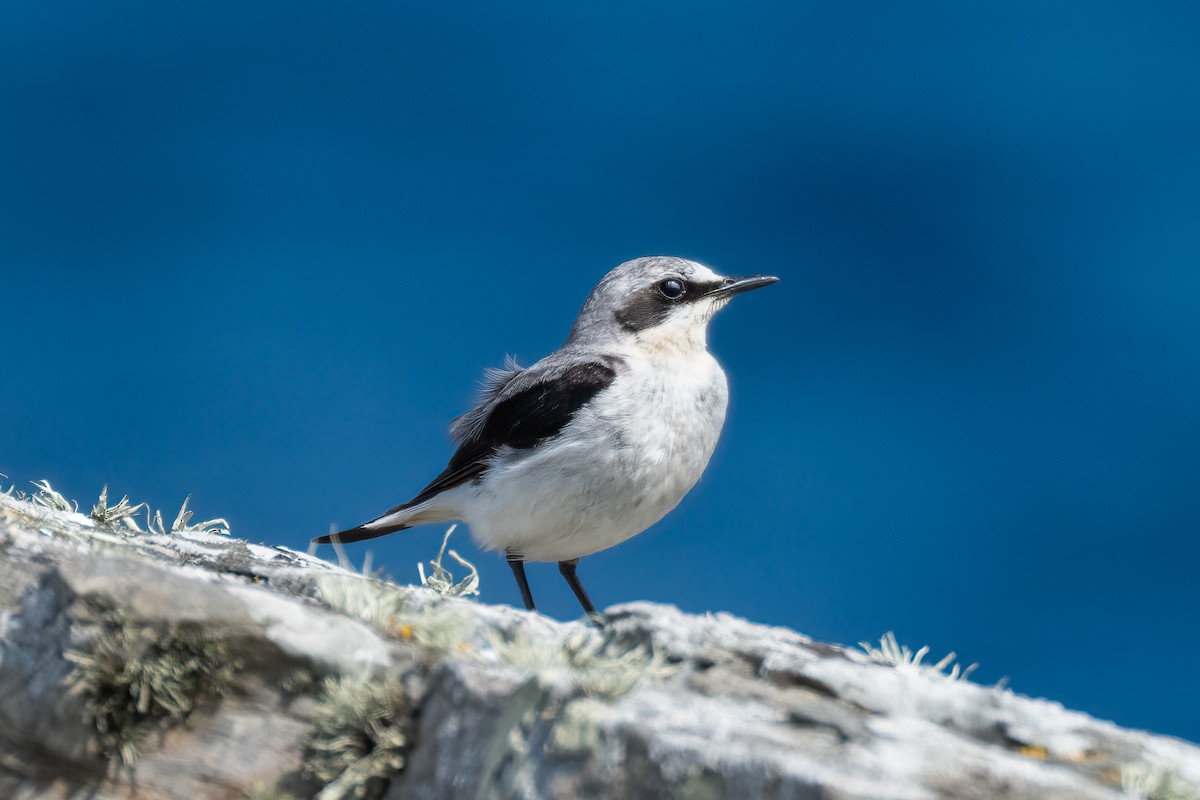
x=1034 y=751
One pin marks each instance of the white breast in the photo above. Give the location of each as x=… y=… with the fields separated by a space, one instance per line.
x=624 y=462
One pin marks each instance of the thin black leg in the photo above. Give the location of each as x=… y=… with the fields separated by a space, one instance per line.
x=567 y=568
x=518 y=567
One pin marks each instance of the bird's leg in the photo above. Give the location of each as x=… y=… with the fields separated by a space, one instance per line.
x=517 y=562
x=567 y=568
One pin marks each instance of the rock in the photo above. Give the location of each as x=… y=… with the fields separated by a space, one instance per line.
x=193 y=665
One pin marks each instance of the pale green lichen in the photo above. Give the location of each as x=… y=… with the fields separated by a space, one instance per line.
x=136 y=677
x=268 y=790
x=599 y=666
x=891 y=653
x=507 y=752
x=1146 y=781
x=702 y=783
x=387 y=608
x=576 y=731
x=436 y=631
x=358 y=743
x=363 y=596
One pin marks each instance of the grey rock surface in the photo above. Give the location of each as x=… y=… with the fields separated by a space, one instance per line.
x=194 y=665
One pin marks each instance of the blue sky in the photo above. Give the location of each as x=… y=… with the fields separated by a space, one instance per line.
x=262 y=254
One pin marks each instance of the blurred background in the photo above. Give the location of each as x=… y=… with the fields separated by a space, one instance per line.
x=261 y=254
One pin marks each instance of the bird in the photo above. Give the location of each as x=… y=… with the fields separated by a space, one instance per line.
x=598 y=440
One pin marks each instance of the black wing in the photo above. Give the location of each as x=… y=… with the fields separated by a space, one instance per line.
x=524 y=419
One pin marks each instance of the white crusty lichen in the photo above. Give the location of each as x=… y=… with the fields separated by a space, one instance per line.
x=358 y=742
x=891 y=653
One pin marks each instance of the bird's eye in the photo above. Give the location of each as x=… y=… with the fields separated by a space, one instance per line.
x=671 y=289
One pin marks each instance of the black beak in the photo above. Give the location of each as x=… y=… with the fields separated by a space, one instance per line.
x=743 y=283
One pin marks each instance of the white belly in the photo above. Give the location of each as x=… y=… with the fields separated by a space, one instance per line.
x=622 y=464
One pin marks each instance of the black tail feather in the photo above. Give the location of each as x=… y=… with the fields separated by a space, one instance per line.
x=359 y=534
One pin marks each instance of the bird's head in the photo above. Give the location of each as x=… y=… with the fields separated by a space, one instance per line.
x=658 y=301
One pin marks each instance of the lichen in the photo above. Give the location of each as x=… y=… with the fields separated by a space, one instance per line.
x=436 y=629
x=106 y=516
x=598 y=665
x=268 y=790
x=1146 y=781
x=358 y=742
x=183 y=522
x=47 y=497
x=891 y=653
x=576 y=731
x=441 y=580
x=136 y=678
x=363 y=597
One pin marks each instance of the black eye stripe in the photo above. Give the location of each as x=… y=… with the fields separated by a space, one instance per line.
x=650 y=306
x=692 y=290
x=696 y=289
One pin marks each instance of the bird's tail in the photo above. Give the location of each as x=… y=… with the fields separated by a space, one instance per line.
x=359 y=534
x=399 y=518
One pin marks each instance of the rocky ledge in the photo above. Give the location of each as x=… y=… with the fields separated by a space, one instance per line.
x=183 y=663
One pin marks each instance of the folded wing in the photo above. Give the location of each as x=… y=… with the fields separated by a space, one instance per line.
x=520 y=409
